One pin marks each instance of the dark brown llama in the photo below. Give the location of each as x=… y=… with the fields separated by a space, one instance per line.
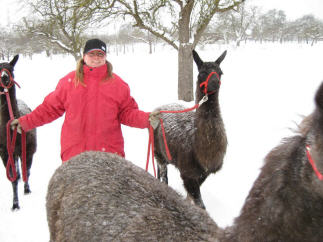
x=197 y=140
x=98 y=196
x=286 y=201
x=19 y=108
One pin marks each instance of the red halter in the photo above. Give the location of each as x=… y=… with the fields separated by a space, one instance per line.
x=11 y=80
x=206 y=82
x=310 y=159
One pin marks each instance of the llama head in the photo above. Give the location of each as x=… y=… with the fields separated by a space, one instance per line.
x=314 y=136
x=209 y=77
x=6 y=72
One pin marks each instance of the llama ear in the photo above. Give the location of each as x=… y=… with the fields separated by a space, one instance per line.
x=319 y=97
x=14 y=60
x=197 y=59
x=220 y=59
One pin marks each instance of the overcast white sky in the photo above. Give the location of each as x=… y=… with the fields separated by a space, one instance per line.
x=9 y=9
x=293 y=8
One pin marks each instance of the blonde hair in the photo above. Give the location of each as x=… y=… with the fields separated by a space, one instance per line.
x=79 y=75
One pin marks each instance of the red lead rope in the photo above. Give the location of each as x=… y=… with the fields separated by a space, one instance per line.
x=151 y=133
x=11 y=148
x=151 y=147
x=11 y=143
x=310 y=159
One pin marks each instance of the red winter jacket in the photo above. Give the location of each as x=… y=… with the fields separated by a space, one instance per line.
x=94 y=113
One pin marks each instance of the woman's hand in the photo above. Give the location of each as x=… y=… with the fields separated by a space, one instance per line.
x=154 y=119
x=16 y=125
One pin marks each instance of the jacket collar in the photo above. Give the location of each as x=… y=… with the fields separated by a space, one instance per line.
x=96 y=72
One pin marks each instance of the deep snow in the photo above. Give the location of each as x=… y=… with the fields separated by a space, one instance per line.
x=265 y=88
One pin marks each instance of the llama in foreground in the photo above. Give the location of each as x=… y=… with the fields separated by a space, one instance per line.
x=102 y=197
x=19 y=108
x=197 y=140
x=97 y=196
x=286 y=201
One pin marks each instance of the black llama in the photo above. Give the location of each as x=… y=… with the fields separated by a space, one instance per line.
x=98 y=196
x=286 y=201
x=197 y=140
x=19 y=108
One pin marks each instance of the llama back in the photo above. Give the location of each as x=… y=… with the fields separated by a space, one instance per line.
x=179 y=131
x=182 y=124
x=98 y=196
x=23 y=108
x=31 y=135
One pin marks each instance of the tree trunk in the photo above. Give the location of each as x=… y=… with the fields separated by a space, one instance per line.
x=185 y=73
x=185 y=59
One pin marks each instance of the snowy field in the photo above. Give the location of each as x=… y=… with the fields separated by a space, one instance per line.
x=265 y=90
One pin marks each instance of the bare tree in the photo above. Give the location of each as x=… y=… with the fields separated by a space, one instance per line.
x=310 y=29
x=61 y=22
x=273 y=25
x=236 y=25
x=180 y=23
x=4 y=46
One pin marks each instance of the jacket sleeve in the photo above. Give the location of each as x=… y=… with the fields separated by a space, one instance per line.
x=130 y=115
x=51 y=109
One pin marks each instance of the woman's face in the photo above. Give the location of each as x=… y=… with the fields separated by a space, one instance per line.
x=94 y=58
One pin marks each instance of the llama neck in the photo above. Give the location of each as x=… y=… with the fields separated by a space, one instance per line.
x=5 y=115
x=210 y=139
x=211 y=108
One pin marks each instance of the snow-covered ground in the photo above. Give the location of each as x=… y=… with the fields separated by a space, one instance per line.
x=265 y=90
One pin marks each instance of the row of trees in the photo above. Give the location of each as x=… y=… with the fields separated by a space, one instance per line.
x=62 y=26
x=250 y=24
x=226 y=28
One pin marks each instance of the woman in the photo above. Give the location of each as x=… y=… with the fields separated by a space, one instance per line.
x=95 y=102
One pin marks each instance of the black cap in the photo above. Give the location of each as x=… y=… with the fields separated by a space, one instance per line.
x=94 y=44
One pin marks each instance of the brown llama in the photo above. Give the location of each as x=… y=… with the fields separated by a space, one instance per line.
x=19 y=108
x=197 y=140
x=102 y=197
x=98 y=196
